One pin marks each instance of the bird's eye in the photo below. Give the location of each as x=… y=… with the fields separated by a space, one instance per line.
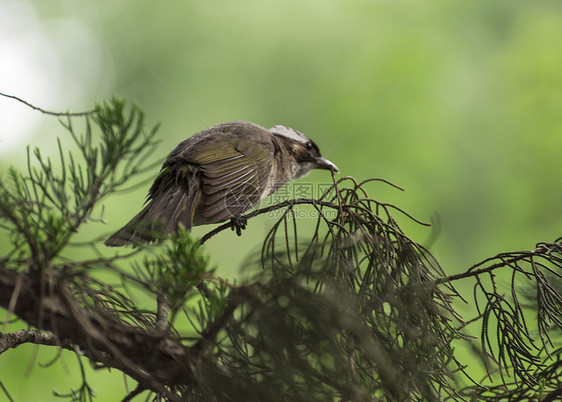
x=309 y=146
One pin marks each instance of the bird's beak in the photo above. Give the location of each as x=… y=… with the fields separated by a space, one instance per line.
x=323 y=163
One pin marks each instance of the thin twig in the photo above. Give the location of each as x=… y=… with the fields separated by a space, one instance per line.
x=137 y=391
x=6 y=392
x=470 y=273
x=57 y=114
x=298 y=201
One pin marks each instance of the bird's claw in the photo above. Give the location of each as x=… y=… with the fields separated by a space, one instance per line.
x=238 y=223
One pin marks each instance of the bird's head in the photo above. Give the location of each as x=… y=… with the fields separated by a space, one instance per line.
x=304 y=153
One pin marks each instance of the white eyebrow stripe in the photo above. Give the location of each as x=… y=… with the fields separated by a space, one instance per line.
x=289 y=133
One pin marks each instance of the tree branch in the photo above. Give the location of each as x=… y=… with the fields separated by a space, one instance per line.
x=165 y=366
x=137 y=391
x=544 y=248
x=57 y=114
x=14 y=339
x=298 y=201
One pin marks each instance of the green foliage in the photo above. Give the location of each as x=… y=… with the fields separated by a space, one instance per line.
x=42 y=208
x=174 y=268
x=85 y=393
x=370 y=320
x=355 y=311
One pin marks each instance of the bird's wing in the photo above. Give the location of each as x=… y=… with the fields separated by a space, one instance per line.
x=234 y=174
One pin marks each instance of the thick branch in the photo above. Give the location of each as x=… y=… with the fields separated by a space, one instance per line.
x=156 y=362
x=14 y=339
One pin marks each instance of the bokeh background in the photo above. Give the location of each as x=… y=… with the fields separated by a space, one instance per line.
x=459 y=103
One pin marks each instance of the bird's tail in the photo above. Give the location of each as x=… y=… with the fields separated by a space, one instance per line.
x=161 y=216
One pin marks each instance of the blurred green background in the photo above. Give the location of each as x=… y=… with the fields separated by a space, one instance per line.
x=459 y=103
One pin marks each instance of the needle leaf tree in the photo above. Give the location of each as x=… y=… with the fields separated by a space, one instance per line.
x=355 y=311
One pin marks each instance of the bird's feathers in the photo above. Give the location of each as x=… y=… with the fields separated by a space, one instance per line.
x=169 y=204
x=211 y=177
x=290 y=133
x=234 y=180
x=217 y=174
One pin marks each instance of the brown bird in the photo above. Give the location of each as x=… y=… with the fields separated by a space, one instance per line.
x=217 y=174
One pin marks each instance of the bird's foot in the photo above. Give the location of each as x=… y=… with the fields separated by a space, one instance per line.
x=238 y=223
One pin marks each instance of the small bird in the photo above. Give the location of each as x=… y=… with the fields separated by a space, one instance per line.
x=216 y=175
